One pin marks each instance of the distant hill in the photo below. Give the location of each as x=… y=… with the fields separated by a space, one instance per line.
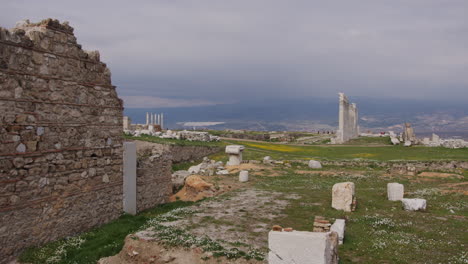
x=318 y=113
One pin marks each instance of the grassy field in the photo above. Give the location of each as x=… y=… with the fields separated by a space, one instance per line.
x=380 y=231
x=104 y=241
x=257 y=150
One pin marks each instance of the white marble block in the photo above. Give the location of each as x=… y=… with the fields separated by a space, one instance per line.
x=235 y=154
x=395 y=191
x=243 y=176
x=339 y=227
x=315 y=164
x=302 y=247
x=414 y=204
x=342 y=196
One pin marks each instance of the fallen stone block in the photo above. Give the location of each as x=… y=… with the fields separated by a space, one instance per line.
x=339 y=228
x=343 y=196
x=313 y=164
x=222 y=172
x=395 y=191
x=395 y=141
x=195 y=169
x=302 y=247
x=414 y=204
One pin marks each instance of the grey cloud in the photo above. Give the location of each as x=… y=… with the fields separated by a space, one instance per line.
x=227 y=50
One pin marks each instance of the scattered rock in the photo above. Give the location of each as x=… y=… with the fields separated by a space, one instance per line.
x=178 y=179
x=315 y=164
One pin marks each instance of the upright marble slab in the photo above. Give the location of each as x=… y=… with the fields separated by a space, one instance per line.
x=129 y=178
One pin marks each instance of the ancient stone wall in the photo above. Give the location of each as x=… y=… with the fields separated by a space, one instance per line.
x=154 y=185
x=176 y=153
x=348 y=121
x=60 y=134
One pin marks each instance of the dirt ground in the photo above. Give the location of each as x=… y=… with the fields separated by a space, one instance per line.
x=240 y=219
x=144 y=251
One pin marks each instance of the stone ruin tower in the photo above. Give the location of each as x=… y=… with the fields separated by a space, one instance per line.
x=61 y=137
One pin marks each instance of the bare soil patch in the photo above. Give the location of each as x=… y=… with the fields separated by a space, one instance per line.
x=147 y=251
x=461 y=187
x=439 y=175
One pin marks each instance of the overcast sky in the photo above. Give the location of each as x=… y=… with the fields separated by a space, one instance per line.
x=199 y=52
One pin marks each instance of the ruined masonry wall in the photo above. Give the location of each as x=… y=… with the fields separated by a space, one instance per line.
x=154 y=185
x=176 y=153
x=60 y=135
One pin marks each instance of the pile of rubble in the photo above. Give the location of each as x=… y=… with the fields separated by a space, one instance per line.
x=436 y=141
x=181 y=135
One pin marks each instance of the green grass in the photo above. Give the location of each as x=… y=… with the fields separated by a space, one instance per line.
x=370 y=141
x=257 y=150
x=380 y=231
x=107 y=240
x=177 y=142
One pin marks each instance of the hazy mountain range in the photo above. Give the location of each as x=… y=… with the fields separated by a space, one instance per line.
x=318 y=114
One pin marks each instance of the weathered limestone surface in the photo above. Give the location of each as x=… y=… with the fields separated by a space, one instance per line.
x=395 y=191
x=60 y=137
x=414 y=204
x=302 y=247
x=348 y=121
x=342 y=196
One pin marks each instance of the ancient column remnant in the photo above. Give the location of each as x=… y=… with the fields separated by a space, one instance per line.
x=343 y=196
x=147 y=118
x=348 y=121
x=395 y=191
x=235 y=154
x=61 y=137
x=244 y=176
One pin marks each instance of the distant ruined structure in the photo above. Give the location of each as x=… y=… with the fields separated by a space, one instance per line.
x=61 y=137
x=408 y=134
x=348 y=121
